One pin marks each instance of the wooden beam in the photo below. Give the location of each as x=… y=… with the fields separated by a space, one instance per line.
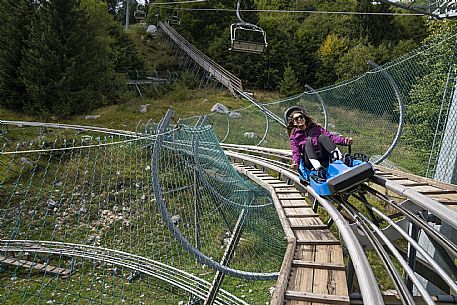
x=49 y=269
x=319 y=242
x=316 y=265
x=308 y=227
x=317 y=298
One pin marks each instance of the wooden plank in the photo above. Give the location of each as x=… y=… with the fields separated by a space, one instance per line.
x=426 y=189
x=302 y=278
x=446 y=199
x=36 y=266
x=260 y=175
x=293 y=196
x=308 y=227
x=315 y=235
x=271 y=180
x=279 y=185
x=412 y=177
x=305 y=221
x=302 y=216
x=318 y=242
x=316 y=297
x=317 y=265
x=406 y=182
x=437 y=192
x=286 y=190
x=297 y=205
x=326 y=281
x=300 y=212
x=294 y=201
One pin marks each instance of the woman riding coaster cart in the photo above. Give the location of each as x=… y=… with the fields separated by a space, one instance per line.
x=315 y=154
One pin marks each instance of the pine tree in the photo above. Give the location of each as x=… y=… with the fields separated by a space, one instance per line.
x=65 y=67
x=14 y=26
x=289 y=85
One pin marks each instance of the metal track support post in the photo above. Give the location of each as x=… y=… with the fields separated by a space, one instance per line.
x=228 y=255
x=446 y=168
x=412 y=254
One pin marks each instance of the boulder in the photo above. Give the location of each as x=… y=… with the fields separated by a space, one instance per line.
x=220 y=108
x=234 y=115
x=250 y=135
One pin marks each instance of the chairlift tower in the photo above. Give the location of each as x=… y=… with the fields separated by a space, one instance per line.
x=127 y=17
x=439 y=9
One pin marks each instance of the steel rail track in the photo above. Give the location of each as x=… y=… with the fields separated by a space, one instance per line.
x=70 y=126
x=367 y=281
x=174 y=276
x=371 y=230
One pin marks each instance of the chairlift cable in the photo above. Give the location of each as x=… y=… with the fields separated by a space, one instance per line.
x=177 y=2
x=296 y=11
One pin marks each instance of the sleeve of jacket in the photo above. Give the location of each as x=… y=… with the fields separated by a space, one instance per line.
x=295 y=150
x=335 y=138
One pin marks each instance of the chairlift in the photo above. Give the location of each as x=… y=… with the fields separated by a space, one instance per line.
x=174 y=19
x=139 y=13
x=243 y=28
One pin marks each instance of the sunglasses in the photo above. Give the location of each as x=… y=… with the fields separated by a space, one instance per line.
x=300 y=117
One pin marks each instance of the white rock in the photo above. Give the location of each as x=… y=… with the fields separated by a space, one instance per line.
x=92 y=117
x=152 y=29
x=220 y=108
x=175 y=219
x=250 y=135
x=234 y=115
x=143 y=109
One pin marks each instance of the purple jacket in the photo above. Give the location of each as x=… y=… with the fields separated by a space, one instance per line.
x=299 y=137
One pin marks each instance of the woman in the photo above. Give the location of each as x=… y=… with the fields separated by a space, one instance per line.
x=311 y=141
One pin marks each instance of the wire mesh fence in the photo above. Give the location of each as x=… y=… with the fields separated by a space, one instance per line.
x=401 y=113
x=79 y=221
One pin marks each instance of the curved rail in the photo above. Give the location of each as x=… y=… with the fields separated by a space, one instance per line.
x=400 y=109
x=70 y=126
x=367 y=281
x=202 y=258
x=161 y=271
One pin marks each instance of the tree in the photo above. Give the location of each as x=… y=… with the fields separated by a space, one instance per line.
x=65 y=68
x=14 y=29
x=374 y=28
x=355 y=61
x=329 y=53
x=289 y=84
x=425 y=97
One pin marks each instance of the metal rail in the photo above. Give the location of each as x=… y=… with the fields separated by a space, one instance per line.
x=202 y=258
x=367 y=281
x=169 y=274
x=70 y=126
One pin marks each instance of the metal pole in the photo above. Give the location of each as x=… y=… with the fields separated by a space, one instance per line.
x=127 y=15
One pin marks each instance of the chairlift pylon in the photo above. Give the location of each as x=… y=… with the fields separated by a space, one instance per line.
x=249 y=46
x=139 y=13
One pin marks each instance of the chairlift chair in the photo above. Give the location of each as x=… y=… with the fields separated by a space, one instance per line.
x=175 y=19
x=257 y=46
x=139 y=13
x=237 y=44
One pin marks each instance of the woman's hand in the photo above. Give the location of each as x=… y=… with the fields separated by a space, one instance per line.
x=294 y=166
x=349 y=141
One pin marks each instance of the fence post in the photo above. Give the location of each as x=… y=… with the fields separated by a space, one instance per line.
x=446 y=169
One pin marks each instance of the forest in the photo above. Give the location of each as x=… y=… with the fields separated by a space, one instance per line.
x=67 y=57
